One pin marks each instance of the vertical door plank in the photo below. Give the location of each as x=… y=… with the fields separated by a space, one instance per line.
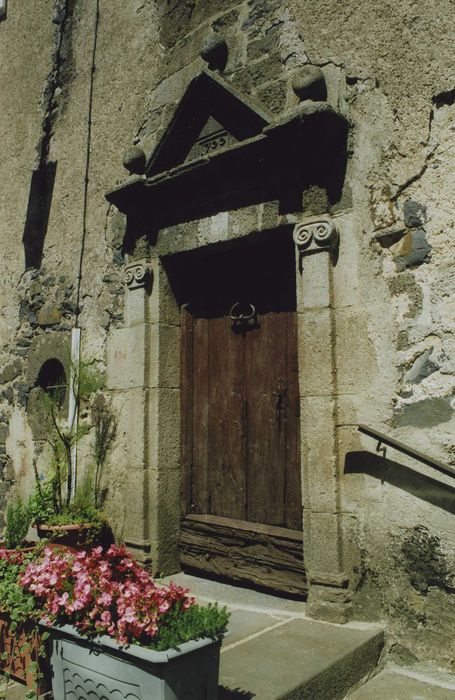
x=293 y=466
x=186 y=403
x=265 y=365
x=226 y=421
x=200 y=496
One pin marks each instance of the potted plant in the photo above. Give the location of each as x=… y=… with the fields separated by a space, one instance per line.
x=22 y=652
x=116 y=632
x=62 y=509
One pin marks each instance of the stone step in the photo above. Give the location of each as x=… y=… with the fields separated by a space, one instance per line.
x=298 y=658
x=275 y=652
x=399 y=684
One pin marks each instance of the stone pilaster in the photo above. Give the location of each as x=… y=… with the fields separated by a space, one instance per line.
x=143 y=366
x=317 y=244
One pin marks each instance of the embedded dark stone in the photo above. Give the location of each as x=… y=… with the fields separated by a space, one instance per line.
x=69 y=307
x=49 y=316
x=24 y=309
x=414 y=214
x=389 y=237
x=4 y=432
x=8 y=394
x=215 y=52
x=416 y=251
x=35 y=289
x=10 y=372
x=64 y=326
x=22 y=352
x=134 y=160
x=309 y=84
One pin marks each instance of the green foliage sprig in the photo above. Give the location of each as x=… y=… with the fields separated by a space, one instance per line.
x=196 y=622
x=18 y=519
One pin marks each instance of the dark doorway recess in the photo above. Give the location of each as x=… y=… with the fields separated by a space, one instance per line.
x=242 y=502
x=38 y=210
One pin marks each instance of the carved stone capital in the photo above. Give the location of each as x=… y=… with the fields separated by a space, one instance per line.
x=316 y=235
x=138 y=275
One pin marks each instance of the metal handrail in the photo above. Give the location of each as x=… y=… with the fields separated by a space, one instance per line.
x=410 y=451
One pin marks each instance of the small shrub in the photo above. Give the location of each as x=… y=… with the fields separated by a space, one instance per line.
x=18 y=519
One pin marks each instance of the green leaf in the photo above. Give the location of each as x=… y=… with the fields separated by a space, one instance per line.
x=32 y=667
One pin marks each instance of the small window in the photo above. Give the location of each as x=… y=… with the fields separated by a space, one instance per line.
x=2 y=9
x=52 y=380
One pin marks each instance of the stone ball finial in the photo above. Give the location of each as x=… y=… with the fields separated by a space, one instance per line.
x=134 y=160
x=309 y=84
x=215 y=52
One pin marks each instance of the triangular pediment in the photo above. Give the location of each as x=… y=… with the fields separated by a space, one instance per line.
x=210 y=116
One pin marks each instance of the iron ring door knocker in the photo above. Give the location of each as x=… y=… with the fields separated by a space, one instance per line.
x=242 y=319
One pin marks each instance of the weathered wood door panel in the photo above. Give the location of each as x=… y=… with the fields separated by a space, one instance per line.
x=240 y=433
x=226 y=439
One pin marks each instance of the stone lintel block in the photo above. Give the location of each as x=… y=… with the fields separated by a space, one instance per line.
x=323 y=547
x=319 y=453
x=243 y=221
x=316 y=375
x=356 y=360
x=163 y=305
x=128 y=353
x=269 y=215
x=313 y=280
x=164 y=429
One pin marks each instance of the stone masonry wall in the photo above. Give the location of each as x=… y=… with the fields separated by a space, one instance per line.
x=82 y=80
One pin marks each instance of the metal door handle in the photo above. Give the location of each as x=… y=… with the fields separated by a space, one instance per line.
x=242 y=317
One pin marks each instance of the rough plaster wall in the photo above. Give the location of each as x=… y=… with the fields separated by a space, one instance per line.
x=399 y=99
x=389 y=69
x=75 y=67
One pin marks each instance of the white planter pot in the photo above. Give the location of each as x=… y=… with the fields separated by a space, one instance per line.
x=102 y=670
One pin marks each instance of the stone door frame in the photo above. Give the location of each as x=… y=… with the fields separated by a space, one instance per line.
x=144 y=366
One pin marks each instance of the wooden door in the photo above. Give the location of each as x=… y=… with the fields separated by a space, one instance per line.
x=240 y=431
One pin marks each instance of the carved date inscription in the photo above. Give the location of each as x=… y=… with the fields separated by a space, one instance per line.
x=212 y=143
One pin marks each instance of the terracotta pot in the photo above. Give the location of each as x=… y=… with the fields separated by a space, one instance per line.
x=26 y=547
x=16 y=663
x=75 y=536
